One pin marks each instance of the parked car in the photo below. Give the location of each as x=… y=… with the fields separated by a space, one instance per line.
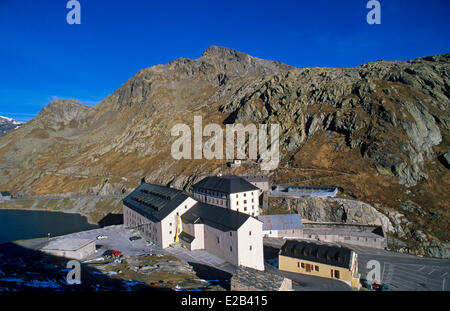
x=380 y=287
x=134 y=238
x=111 y=253
x=101 y=237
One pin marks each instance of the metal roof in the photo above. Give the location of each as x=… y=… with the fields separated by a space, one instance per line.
x=281 y=222
x=154 y=201
x=224 y=184
x=214 y=216
x=322 y=253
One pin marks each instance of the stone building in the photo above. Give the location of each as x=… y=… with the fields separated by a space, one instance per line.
x=260 y=181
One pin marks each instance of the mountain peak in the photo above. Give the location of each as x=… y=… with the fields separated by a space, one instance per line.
x=239 y=63
x=7 y=124
x=221 y=52
x=62 y=110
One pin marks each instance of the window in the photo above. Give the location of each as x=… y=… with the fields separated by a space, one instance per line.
x=245 y=201
x=217 y=238
x=231 y=233
x=237 y=202
x=237 y=195
x=336 y=274
x=250 y=248
x=316 y=268
x=245 y=194
x=298 y=265
x=245 y=209
x=170 y=232
x=249 y=233
x=303 y=265
x=231 y=249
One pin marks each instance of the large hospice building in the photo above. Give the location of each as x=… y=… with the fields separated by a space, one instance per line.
x=166 y=215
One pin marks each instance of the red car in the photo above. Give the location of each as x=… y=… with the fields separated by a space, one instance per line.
x=116 y=253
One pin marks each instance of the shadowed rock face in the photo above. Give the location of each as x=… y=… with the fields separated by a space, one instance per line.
x=379 y=131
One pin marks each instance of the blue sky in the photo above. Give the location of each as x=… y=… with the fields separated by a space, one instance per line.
x=43 y=58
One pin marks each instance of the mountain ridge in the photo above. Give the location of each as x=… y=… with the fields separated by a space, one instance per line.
x=378 y=131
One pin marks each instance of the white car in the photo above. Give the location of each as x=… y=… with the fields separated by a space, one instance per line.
x=101 y=237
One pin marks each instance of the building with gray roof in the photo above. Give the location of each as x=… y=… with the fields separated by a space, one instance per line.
x=283 y=225
x=166 y=215
x=320 y=259
x=232 y=192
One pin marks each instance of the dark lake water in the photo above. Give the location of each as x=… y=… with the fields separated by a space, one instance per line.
x=20 y=224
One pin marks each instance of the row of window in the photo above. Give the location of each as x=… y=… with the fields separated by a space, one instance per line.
x=309 y=268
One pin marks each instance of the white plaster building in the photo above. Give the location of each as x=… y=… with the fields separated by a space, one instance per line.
x=153 y=210
x=232 y=192
x=234 y=236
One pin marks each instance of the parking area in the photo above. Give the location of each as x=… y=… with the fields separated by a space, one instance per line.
x=117 y=238
x=401 y=272
x=406 y=272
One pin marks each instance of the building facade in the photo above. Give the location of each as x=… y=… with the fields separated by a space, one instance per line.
x=232 y=192
x=355 y=234
x=282 y=226
x=70 y=248
x=322 y=260
x=260 y=181
x=5 y=196
x=165 y=215
x=231 y=235
x=154 y=211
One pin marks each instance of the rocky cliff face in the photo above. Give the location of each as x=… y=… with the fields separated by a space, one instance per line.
x=380 y=131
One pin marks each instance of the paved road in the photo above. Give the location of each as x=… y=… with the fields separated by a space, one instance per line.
x=401 y=272
x=406 y=272
x=118 y=239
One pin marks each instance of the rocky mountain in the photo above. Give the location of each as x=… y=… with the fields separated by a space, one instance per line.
x=380 y=132
x=7 y=124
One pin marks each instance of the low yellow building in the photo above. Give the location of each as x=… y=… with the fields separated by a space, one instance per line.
x=327 y=261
